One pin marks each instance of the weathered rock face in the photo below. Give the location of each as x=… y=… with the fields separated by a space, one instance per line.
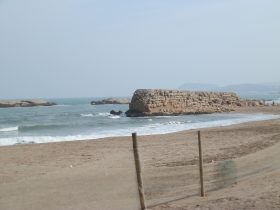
x=111 y=101
x=24 y=103
x=155 y=102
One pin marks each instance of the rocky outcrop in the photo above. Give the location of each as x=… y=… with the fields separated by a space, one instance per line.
x=156 y=102
x=113 y=112
x=111 y=101
x=24 y=103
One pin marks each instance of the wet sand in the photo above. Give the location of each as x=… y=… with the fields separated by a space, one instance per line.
x=100 y=174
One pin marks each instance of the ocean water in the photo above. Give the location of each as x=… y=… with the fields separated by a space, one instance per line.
x=76 y=119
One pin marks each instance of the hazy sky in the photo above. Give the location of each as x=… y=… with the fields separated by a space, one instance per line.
x=67 y=48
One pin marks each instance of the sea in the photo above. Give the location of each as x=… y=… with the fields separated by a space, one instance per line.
x=76 y=119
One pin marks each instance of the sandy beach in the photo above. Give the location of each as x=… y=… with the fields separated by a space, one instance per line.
x=100 y=174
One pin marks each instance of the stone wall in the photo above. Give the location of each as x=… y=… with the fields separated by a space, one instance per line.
x=153 y=102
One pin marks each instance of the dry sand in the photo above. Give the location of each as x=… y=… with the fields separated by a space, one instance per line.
x=242 y=171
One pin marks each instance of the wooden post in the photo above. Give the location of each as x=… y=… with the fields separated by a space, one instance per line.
x=138 y=171
x=200 y=166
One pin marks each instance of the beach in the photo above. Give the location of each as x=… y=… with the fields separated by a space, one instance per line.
x=100 y=174
x=129 y=105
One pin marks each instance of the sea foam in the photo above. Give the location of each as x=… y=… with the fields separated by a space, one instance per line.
x=104 y=114
x=147 y=129
x=9 y=129
x=86 y=115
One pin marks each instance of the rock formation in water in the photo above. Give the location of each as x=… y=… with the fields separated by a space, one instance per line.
x=113 y=112
x=111 y=101
x=157 y=102
x=24 y=103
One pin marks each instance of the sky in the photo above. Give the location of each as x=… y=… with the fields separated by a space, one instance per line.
x=89 y=48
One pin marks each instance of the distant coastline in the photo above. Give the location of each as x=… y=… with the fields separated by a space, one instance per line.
x=24 y=103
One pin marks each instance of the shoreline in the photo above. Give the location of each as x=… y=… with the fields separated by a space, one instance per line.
x=266 y=110
x=144 y=135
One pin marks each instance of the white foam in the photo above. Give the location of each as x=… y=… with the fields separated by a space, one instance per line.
x=114 y=117
x=174 y=123
x=86 y=115
x=107 y=114
x=104 y=114
x=48 y=139
x=9 y=129
x=150 y=129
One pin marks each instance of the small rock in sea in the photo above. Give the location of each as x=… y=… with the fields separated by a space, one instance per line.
x=113 y=112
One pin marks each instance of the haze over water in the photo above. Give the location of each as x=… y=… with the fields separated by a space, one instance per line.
x=85 y=48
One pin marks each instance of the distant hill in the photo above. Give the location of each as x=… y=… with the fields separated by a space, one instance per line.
x=254 y=87
x=268 y=91
x=199 y=87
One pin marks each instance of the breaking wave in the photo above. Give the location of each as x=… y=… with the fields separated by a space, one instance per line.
x=150 y=128
x=9 y=129
x=86 y=115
